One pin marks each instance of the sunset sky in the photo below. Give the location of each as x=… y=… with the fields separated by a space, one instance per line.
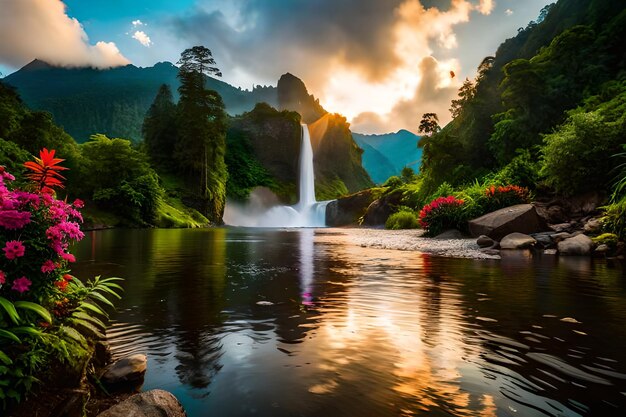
x=381 y=63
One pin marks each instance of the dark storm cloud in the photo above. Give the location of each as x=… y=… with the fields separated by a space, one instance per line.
x=267 y=34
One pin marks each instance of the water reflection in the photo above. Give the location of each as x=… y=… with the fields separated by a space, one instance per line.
x=306 y=237
x=281 y=323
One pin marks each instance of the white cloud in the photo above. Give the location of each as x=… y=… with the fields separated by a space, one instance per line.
x=508 y=12
x=41 y=29
x=137 y=23
x=142 y=38
x=485 y=6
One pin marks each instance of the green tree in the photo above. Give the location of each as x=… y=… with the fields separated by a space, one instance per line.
x=133 y=191
x=160 y=128
x=407 y=174
x=429 y=124
x=466 y=93
x=201 y=145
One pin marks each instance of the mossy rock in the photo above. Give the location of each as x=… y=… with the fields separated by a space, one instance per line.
x=608 y=239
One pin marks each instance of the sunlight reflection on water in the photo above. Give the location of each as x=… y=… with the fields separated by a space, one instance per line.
x=278 y=323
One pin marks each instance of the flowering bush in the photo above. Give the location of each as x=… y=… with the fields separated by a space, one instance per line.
x=441 y=214
x=45 y=313
x=505 y=196
x=36 y=231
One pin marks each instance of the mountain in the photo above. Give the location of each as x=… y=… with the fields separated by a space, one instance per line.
x=386 y=155
x=113 y=101
x=338 y=164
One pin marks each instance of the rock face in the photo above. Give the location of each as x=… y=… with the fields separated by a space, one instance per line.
x=338 y=159
x=378 y=212
x=517 y=241
x=154 y=403
x=348 y=210
x=293 y=95
x=522 y=218
x=127 y=370
x=577 y=245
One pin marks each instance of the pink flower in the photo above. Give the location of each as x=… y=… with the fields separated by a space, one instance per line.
x=48 y=266
x=68 y=257
x=14 y=249
x=78 y=203
x=3 y=277
x=14 y=219
x=21 y=285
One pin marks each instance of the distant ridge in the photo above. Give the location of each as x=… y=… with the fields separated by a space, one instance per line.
x=385 y=155
x=113 y=101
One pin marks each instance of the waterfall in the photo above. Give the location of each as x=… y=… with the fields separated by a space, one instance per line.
x=306 y=213
x=307 y=175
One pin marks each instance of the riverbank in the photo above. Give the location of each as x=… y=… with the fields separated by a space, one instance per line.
x=406 y=240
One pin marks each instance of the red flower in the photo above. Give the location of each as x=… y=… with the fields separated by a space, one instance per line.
x=62 y=285
x=46 y=170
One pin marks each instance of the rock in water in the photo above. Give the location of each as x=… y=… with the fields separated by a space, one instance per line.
x=522 y=218
x=517 y=241
x=577 y=245
x=154 y=403
x=127 y=370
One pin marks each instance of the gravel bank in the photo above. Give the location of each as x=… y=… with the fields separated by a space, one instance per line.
x=409 y=240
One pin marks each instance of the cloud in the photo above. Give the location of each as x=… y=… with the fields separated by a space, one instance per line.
x=508 y=12
x=433 y=93
x=486 y=6
x=359 y=58
x=142 y=38
x=137 y=23
x=41 y=29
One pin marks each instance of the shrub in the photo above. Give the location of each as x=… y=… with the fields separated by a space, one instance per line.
x=522 y=170
x=614 y=220
x=441 y=214
x=393 y=182
x=504 y=196
x=575 y=155
x=403 y=219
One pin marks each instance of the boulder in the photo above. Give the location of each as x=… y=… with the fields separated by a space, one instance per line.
x=602 y=249
x=522 y=218
x=450 y=234
x=517 y=241
x=485 y=241
x=127 y=370
x=378 y=212
x=348 y=210
x=577 y=245
x=593 y=226
x=557 y=237
x=154 y=403
x=544 y=239
x=562 y=227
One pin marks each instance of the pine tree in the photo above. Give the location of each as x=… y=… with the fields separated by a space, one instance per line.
x=159 y=129
x=201 y=146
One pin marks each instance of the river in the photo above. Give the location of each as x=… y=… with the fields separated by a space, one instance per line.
x=253 y=322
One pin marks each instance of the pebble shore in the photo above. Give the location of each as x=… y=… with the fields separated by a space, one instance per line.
x=407 y=240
